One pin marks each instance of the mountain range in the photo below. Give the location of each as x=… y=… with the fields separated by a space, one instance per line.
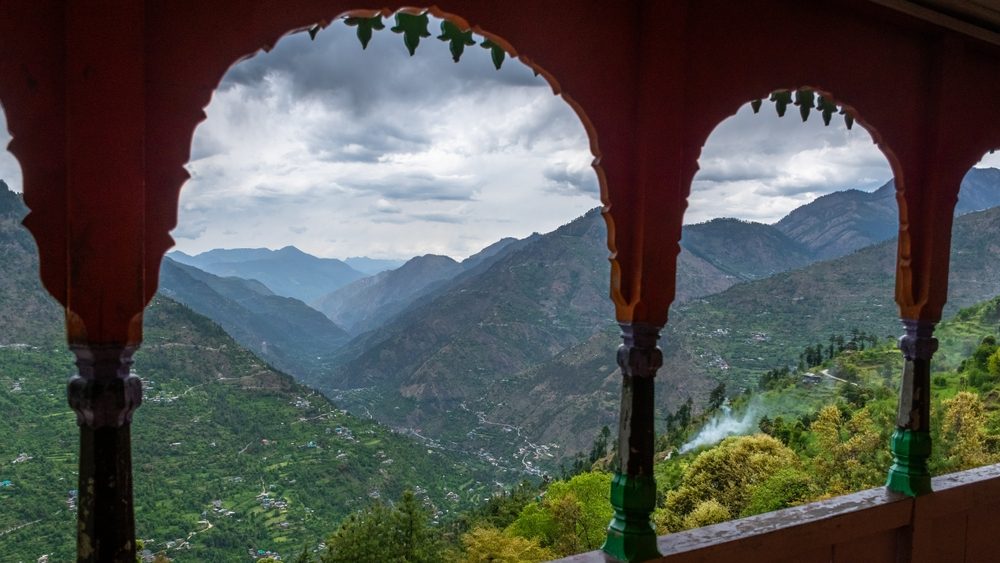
x=287 y=271
x=229 y=454
x=529 y=341
x=522 y=334
x=372 y=266
x=367 y=303
x=842 y=222
x=489 y=368
x=284 y=331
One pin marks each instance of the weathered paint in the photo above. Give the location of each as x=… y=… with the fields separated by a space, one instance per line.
x=911 y=442
x=911 y=450
x=104 y=394
x=631 y=536
x=102 y=98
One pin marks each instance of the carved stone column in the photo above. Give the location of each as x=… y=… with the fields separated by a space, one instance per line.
x=631 y=535
x=104 y=395
x=911 y=442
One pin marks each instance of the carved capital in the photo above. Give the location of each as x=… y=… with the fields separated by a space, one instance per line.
x=918 y=343
x=104 y=393
x=638 y=355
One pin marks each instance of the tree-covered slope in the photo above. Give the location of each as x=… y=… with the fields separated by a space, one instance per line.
x=842 y=222
x=27 y=314
x=366 y=303
x=743 y=249
x=230 y=455
x=756 y=326
x=287 y=271
x=371 y=302
x=284 y=331
x=513 y=356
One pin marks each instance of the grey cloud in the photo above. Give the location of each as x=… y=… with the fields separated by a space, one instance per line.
x=734 y=169
x=390 y=219
x=438 y=218
x=567 y=180
x=263 y=196
x=417 y=186
x=555 y=122
x=204 y=146
x=385 y=208
x=791 y=190
x=335 y=69
x=189 y=229
x=368 y=141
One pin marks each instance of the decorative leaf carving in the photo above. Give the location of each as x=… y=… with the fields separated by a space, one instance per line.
x=365 y=27
x=781 y=101
x=413 y=27
x=848 y=119
x=826 y=107
x=496 y=53
x=805 y=100
x=456 y=38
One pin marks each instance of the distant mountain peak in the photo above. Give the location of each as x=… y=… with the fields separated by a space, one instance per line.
x=431 y=258
x=288 y=271
x=841 y=222
x=11 y=202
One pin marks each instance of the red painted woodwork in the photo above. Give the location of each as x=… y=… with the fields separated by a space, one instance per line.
x=103 y=98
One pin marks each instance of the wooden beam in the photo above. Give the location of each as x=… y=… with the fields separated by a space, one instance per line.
x=987 y=30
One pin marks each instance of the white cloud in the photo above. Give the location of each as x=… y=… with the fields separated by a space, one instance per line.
x=401 y=156
x=10 y=169
x=760 y=167
x=990 y=160
x=344 y=152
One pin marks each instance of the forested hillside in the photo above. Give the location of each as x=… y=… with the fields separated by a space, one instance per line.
x=507 y=349
x=230 y=455
x=810 y=433
x=284 y=331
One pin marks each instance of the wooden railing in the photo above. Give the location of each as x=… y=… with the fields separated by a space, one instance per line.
x=958 y=522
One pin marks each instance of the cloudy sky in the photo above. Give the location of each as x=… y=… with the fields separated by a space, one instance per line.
x=344 y=152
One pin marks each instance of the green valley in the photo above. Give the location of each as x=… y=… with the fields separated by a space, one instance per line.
x=230 y=455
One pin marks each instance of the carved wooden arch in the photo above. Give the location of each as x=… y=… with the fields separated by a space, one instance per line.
x=102 y=129
x=266 y=39
x=102 y=126
x=907 y=83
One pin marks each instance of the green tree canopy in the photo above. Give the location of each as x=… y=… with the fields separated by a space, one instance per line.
x=383 y=533
x=728 y=473
x=490 y=545
x=572 y=517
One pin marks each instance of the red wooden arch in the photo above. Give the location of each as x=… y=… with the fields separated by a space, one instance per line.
x=103 y=96
x=651 y=95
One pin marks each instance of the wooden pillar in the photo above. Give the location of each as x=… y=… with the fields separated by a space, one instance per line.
x=104 y=395
x=104 y=221
x=911 y=442
x=932 y=158
x=631 y=536
x=650 y=209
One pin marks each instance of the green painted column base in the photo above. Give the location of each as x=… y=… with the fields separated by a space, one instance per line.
x=631 y=535
x=910 y=451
